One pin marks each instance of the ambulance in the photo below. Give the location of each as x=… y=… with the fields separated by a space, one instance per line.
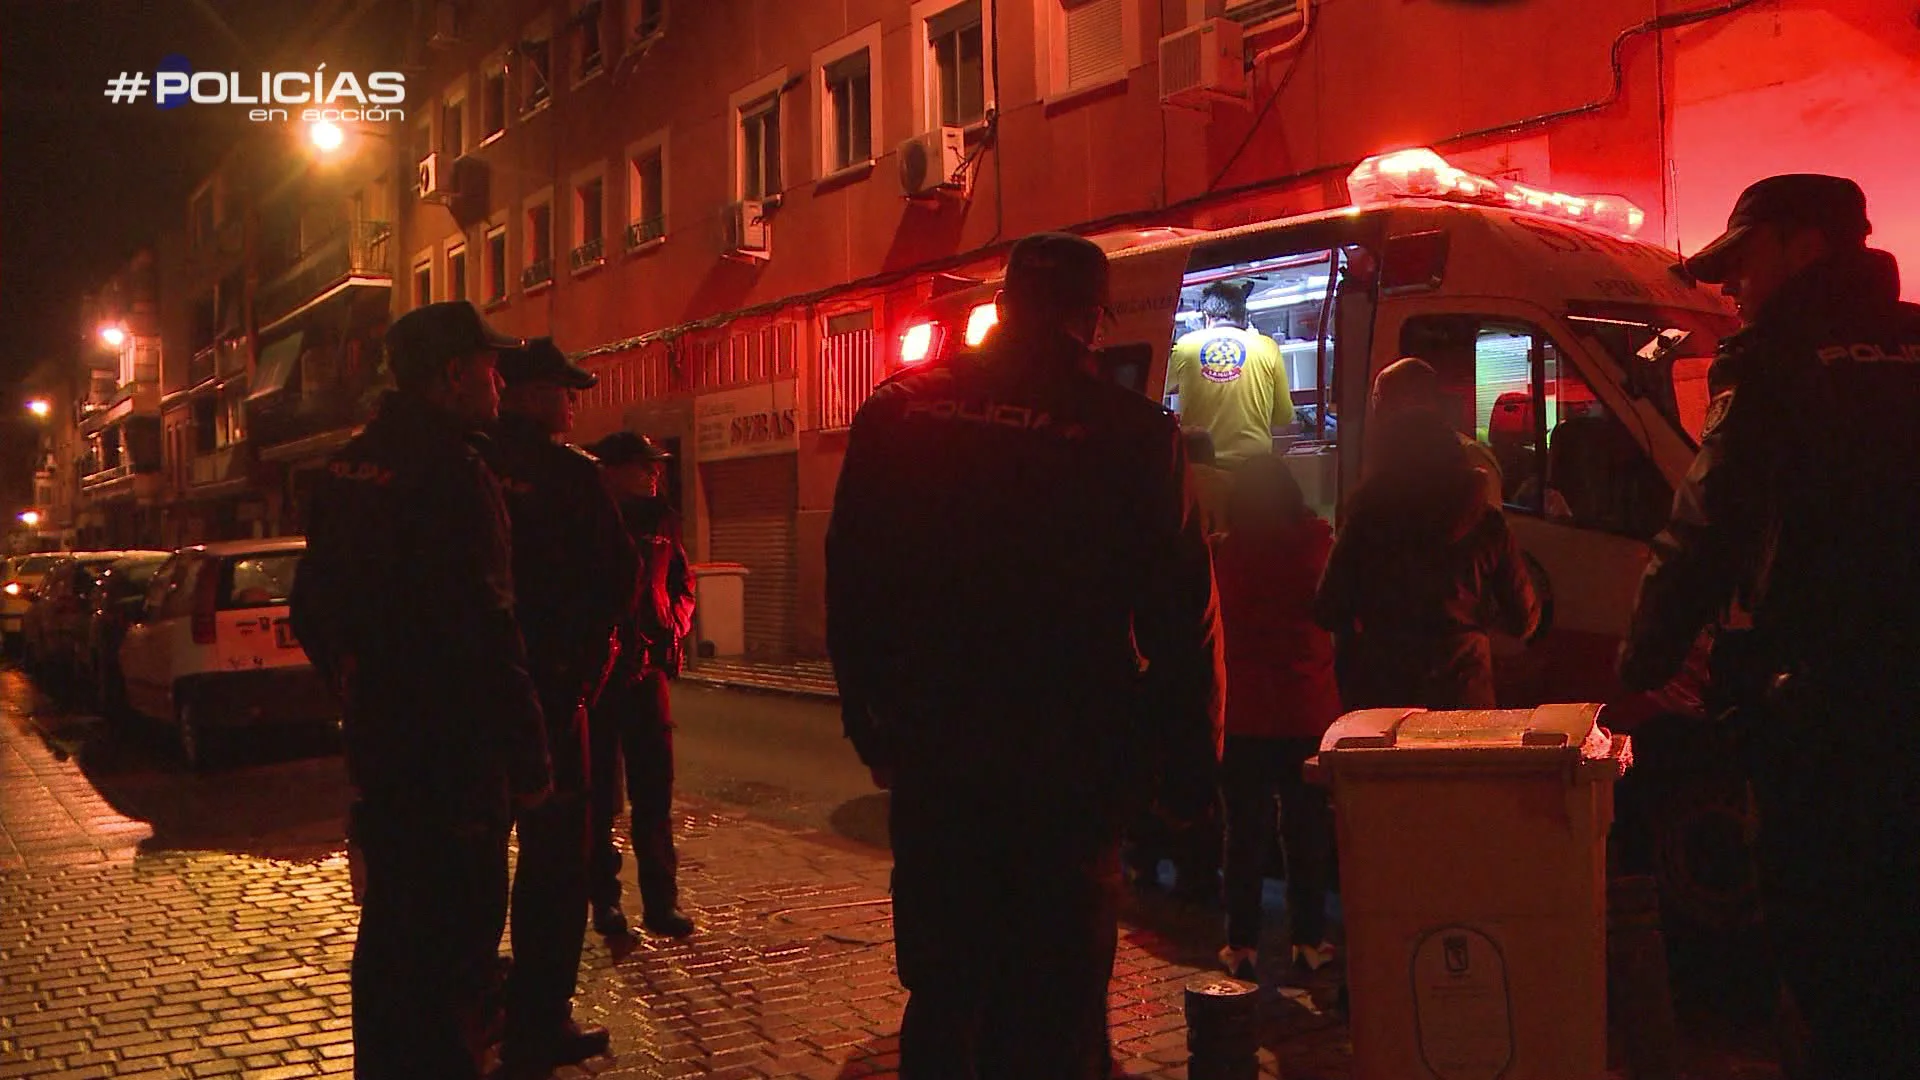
x=1568 y=346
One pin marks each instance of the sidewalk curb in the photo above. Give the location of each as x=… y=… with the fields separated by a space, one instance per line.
x=772 y=687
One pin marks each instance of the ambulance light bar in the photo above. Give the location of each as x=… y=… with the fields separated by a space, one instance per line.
x=1422 y=174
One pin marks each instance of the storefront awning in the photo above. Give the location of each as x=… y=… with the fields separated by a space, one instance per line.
x=276 y=366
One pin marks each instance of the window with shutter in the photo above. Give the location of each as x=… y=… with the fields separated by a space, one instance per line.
x=1095 y=42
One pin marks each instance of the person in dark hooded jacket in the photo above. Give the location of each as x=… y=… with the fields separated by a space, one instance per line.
x=1423 y=572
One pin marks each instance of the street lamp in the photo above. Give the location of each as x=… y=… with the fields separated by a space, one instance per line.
x=29 y=518
x=39 y=407
x=326 y=136
x=113 y=335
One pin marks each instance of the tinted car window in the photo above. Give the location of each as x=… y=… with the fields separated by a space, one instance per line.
x=263 y=580
x=36 y=564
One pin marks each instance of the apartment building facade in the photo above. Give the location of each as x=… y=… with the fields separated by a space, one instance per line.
x=727 y=209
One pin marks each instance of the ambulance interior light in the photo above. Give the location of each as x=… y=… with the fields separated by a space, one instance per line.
x=1423 y=174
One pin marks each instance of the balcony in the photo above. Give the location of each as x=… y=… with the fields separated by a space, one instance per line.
x=231 y=356
x=100 y=478
x=225 y=465
x=642 y=233
x=358 y=249
x=203 y=366
x=537 y=274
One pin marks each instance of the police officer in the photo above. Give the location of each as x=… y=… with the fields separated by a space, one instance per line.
x=1810 y=527
x=1021 y=615
x=575 y=570
x=632 y=722
x=404 y=602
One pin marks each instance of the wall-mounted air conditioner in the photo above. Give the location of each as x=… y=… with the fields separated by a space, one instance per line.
x=1205 y=62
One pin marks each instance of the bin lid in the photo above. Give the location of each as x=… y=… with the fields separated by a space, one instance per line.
x=1571 y=729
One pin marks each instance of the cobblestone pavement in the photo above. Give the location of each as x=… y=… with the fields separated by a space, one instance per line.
x=120 y=958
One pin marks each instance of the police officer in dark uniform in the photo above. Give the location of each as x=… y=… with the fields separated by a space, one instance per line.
x=575 y=571
x=404 y=602
x=1804 y=508
x=632 y=724
x=1022 y=618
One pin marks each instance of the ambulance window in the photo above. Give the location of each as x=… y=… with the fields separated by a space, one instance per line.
x=1511 y=389
x=1248 y=364
x=1126 y=365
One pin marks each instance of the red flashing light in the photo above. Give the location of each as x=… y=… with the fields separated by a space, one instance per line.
x=1422 y=174
x=916 y=343
x=980 y=322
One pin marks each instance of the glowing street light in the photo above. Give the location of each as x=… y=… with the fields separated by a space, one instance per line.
x=113 y=336
x=39 y=407
x=326 y=136
x=30 y=518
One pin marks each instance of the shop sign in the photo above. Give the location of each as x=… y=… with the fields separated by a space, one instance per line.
x=748 y=422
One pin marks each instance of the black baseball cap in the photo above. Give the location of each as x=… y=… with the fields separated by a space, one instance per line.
x=628 y=448
x=1057 y=270
x=540 y=360
x=1833 y=204
x=427 y=338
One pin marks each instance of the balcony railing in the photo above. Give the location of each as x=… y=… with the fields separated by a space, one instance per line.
x=360 y=247
x=202 y=366
x=537 y=274
x=588 y=254
x=102 y=477
x=232 y=356
x=645 y=232
x=227 y=463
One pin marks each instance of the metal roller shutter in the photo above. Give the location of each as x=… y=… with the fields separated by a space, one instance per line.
x=751 y=503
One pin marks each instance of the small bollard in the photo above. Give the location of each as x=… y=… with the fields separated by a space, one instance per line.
x=1642 y=998
x=1223 y=1041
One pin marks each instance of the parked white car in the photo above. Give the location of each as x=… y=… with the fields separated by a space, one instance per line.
x=212 y=650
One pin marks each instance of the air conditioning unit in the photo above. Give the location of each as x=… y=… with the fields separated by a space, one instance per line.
x=749 y=236
x=1205 y=62
x=445 y=29
x=933 y=161
x=436 y=180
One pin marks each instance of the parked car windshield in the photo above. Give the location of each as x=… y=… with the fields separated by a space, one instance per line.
x=124 y=579
x=262 y=580
x=36 y=564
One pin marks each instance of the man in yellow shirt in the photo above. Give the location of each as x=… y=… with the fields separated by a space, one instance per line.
x=1231 y=380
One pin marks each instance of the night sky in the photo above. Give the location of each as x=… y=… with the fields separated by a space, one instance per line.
x=85 y=182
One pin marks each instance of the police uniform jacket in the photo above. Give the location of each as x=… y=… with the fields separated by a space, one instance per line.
x=404 y=602
x=1804 y=500
x=1019 y=590
x=574 y=567
x=650 y=637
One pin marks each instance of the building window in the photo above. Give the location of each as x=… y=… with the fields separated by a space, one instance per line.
x=589 y=230
x=539 y=245
x=587 y=52
x=423 y=282
x=650 y=18
x=956 y=50
x=536 y=73
x=457 y=273
x=453 y=127
x=493 y=102
x=496 y=264
x=848 y=83
x=760 y=148
x=1092 y=44
x=647 y=195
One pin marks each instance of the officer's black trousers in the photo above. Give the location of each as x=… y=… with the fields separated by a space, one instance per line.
x=550 y=892
x=633 y=744
x=1005 y=925
x=430 y=924
x=1838 y=788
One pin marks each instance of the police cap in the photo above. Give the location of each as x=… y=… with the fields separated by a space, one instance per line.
x=1832 y=204
x=1057 y=270
x=542 y=361
x=628 y=448
x=423 y=341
